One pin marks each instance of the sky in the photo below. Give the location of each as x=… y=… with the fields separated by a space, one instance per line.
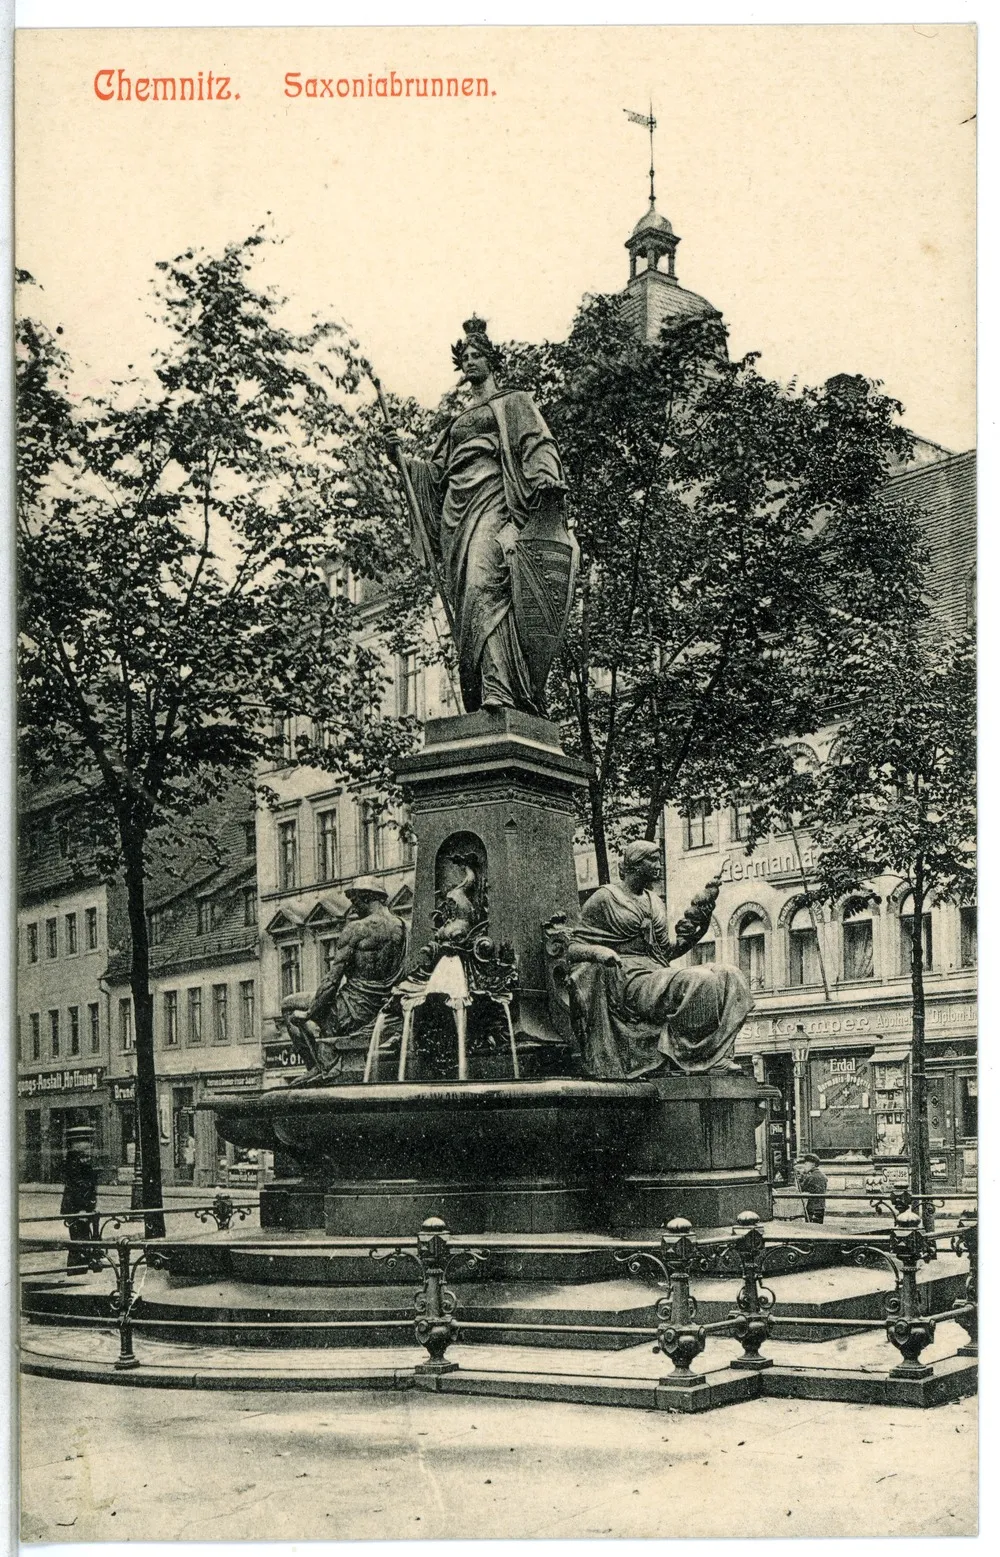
x=822 y=180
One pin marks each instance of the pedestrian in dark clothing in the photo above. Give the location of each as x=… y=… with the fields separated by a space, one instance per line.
x=812 y=1185
x=80 y=1194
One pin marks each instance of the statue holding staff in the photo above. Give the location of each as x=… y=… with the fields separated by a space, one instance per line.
x=490 y=503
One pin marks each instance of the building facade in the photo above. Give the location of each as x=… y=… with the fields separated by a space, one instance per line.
x=204 y=979
x=832 y=1021
x=66 y=920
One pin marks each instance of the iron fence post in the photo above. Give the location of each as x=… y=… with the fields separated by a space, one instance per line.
x=753 y=1301
x=966 y=1241
x=907 y=1329
x=677 y=1336
x=435 y=1326
x=121 y=1302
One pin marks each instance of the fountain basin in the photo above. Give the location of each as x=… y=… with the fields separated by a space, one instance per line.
x=554 y=1155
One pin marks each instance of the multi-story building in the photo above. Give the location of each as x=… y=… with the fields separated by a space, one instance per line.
x=831 y=1027
x=66 y=921
x=204 y=960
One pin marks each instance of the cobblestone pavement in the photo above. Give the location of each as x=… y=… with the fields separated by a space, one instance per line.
x=105 y=1464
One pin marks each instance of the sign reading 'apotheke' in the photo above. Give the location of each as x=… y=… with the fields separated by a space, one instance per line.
x=60 y=1081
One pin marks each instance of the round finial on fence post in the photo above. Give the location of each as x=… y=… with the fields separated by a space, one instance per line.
x=745 y=1221
x=679 y=1226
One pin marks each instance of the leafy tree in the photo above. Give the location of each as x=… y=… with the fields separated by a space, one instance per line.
x=734 y=537
x=173 y=541
x=896 y=801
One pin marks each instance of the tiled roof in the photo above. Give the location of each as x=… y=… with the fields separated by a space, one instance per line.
x=945 y=493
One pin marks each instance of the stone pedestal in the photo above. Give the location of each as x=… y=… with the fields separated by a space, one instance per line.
x=498 y=783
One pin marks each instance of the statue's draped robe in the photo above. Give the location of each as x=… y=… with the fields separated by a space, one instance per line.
x=488 y=470
x=628 y=1018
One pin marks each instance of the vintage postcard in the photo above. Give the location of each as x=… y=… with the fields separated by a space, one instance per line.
x=496 y=907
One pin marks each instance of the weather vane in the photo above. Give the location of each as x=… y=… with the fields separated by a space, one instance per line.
x=650 y=124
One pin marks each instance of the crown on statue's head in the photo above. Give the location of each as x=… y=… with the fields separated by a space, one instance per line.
x=474 y=326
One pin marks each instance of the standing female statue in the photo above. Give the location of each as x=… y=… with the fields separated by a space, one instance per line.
x=491 y=502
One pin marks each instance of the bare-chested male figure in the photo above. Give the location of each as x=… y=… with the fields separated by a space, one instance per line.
x=367 y=962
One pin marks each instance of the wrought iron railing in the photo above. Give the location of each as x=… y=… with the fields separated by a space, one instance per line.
x=674 y=1261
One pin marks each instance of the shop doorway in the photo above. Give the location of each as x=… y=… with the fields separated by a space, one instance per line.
x=778 y=1072
x=185 y=1148
x=953 y=1128
x=31 y=1171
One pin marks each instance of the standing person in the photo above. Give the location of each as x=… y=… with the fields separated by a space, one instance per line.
x=80 y=1193
x=812 y=1185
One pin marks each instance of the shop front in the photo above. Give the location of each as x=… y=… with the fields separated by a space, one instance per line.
x=235 y=1167
x=52 y=1102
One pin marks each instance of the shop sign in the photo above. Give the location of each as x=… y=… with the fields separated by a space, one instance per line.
x=856 y=1023
x=123 y=1091
x=766 y=866
x=60 y=1081
x=282 y=1056
x=939 y=1167
x=234 y=1081
x=242 y=1174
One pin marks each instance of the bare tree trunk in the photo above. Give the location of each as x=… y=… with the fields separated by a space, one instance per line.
x=147 y=1112
x=920 y=1148
x=597 y=828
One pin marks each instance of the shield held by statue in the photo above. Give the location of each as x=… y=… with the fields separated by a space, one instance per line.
x=543 y=567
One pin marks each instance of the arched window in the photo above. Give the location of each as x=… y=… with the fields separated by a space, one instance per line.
x=968 y=915
x=859 y=954
x=906 y=937
x=752 y=941
x=803 y=950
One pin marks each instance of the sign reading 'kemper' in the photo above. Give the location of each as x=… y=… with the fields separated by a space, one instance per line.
x=853 y=1022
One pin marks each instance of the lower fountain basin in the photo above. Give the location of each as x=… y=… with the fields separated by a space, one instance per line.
x=514 y=1156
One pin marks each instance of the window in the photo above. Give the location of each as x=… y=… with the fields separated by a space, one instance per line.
x=702 y=953
x=327 y=867
x=194 y=1016
x=407 y=684
x=327 y=952
x=207 y=915
x=371 y=837
x=156 y=927
x=249 y=905
x=54 y=1034
x=291 y=970
x=699 y=827
x=968 y=917
x=20 y=1042
x=968 y=1107
x=739 y=824
x=71 y=942
x=859 y=954
x=31 y=932
x=248 y=1020
x=35 y=1034
x=284 y=738
x=288 y=856
x=94 y=1018
x=906 y=942
x=250 y=837
x=125 y=1039
x=220 y=1013
x=803 y=950
x=752 y=947
x=90 y=928
x=171 y=1027
x=74 y=1029
x=342 y=584
x=51 y=937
